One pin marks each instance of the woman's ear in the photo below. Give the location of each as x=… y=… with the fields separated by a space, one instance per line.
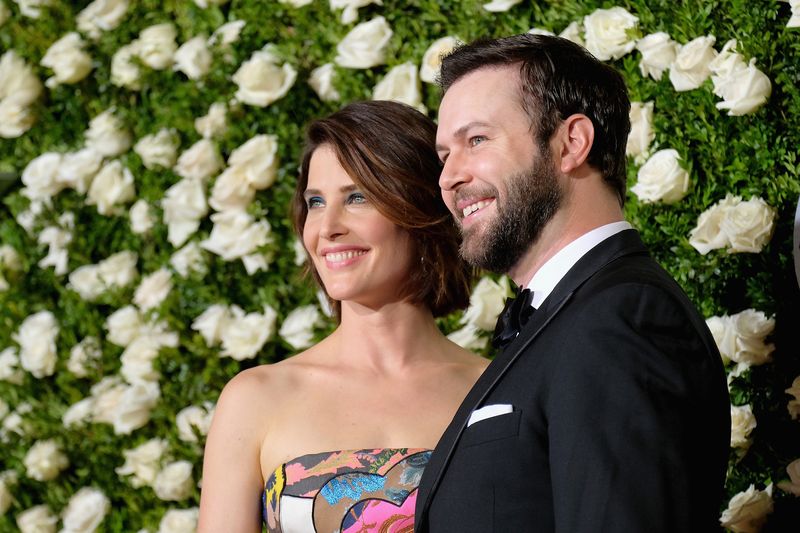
x=576 y=135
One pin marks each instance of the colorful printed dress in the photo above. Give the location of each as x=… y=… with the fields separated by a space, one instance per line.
x=351 y=491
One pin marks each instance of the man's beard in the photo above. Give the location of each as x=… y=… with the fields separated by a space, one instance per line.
x=533 y=196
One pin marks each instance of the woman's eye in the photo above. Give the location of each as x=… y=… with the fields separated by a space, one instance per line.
x=314 y=201
x=476 y=140
x=356 y=198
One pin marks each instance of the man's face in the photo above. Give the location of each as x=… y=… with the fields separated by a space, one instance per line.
x=500 y=186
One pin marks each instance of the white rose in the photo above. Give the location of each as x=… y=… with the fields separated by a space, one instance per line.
x=188 y=259
x=184 y=205
x=157 y=46
x=794 y=405
x=662 y=179
x=37 y=519
x=214 y=123
x=137 y=360
x=174 y=482
x=608 y=33
x=243 y=335
x=18 y=80
x=296 y=3
x=321 y=80
x=105 y=395
x=748 y=225
x=794 y=21
x=498 y=6
x=743 y=91
x=751 y=328
x=200 y=161
x=641 y=134
x=85 y=511
x=28 y=218
x=300 y=255
x=235 y=234
x=721 y=328
x=15 y=117
x=78 y=169
x=159 y=149
x=401 y=84
x=469 y=338
x=7 y=479
x=37 y=340
x=432 y=59
x=124 y=72
x=57 y=239
x=119 y=269
x=262 y=80
x=658 y=53
x=40 y=176
x=68 y=60
x=32 y=8
x=5 y=13
x=193 y=58
x=142 y=219
x=9 y=258
x=45 y=460
x=365 y=45
x=726 y=63
x=707 y=235
x=255 y=262
x=573 y=33
x=100 y=16
x=153 y=289
x=227 y=34
x=743 y=422
x=541 y=31
x=107 y=135
x=485 y=303
x=298 y=327
x=124 y=325
x=205 y=3
x=112 y=185
x=9 y=366
x=193 y=420
x=792 y=486
x=747 y=511
x=142 y=462
x=179 y=521
x=349 y=7
x=78 y=413
x=134 y=406
x=253 y=165
x=211 y=322
x=690 y=68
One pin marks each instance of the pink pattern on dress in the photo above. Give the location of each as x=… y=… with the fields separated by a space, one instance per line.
x=390 y=517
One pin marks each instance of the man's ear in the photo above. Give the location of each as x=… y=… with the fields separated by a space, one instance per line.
x=576 y=135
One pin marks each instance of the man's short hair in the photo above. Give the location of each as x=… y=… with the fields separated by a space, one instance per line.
x=558 y=78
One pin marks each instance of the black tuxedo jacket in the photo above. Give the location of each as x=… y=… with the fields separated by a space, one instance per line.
x=620 y=421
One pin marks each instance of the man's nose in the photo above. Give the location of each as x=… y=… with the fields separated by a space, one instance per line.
x=454 y=173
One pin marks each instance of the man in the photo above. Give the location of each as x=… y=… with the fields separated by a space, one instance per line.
x=608 y=411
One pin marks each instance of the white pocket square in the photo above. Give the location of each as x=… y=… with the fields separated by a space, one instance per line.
x=489 y=411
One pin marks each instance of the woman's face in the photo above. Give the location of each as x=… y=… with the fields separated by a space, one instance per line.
x=359 y=254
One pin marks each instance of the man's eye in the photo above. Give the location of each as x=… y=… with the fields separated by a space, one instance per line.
x=356 y=198
x=314 y=201
x=476 y=140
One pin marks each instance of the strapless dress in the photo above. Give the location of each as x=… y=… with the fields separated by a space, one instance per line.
x=349 y=491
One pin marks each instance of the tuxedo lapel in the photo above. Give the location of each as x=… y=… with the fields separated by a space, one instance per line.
x=622 y=244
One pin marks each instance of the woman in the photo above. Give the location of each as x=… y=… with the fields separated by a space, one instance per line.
x=337 y=436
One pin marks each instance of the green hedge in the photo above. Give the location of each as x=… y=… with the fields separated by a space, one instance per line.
x=751 y=155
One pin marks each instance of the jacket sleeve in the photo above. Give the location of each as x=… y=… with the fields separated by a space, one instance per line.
x=637 y=420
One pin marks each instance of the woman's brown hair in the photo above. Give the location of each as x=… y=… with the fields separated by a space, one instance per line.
x=387 y=148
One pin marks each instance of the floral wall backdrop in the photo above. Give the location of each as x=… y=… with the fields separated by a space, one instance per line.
x=148 y=152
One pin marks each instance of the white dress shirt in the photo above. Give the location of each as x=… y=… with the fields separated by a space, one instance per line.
x=551 y=272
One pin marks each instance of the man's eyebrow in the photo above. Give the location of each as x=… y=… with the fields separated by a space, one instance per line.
x=462 y=132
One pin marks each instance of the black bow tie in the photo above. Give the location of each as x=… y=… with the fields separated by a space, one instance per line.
x=515 y=314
